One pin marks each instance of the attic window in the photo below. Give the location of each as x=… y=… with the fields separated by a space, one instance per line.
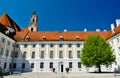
x=61 y=38
x=44 y=38
x=77 y=38
x=27 y=38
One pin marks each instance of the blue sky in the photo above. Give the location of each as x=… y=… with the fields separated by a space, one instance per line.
x=57 y=15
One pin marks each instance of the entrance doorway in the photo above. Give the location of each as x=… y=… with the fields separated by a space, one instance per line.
x=61 y=68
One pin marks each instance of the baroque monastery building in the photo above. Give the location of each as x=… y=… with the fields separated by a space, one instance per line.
x=28 y=50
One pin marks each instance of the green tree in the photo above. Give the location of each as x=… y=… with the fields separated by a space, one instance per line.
x=96 y=52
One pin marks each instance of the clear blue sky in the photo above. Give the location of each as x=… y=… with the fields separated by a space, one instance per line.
x=57 y=15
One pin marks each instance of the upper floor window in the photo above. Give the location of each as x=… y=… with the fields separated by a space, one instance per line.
x=51 y=54
x=78 y=45
x=69 y=45
x=117 y=39
x=33 y=54
x=70 y=54
x=13 y=45
x=17 y=45
x=24 y=55
x=25 y=45
x=78 y=54
x=3 y=40
x=42 y=54
x=16 y=54
x=7 y=52
x=42 y=45
x=8 y=42
x=33 y=45
x=60 y=54
x=1 y=51
x=51 y=45
x=41 y=65
x=60 y=45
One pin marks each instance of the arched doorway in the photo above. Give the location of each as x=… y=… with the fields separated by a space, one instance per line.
x=31 y=29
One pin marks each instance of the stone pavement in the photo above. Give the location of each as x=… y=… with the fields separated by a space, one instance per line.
x=63 y=75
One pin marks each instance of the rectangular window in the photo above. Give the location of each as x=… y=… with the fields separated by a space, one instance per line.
x=51 y=64
x=79 y=64
x=42 y=54
x=32 y=65
x=117 y=39
x=18 y=46
x=8 y=42
x=7 y=52
x=42 y=45
x=78 y=54
x=10 y=65
x=41 y=65
x=12 y=54
x=33 y=45
x=3 y=40
x=70 y=64
x=60 y=54
x=13 y=45
x=70 y=54
x=60 y=45
x=1 y=51
x=51 y=45
x=24 y=55
x=5 y=65
x=69 y=45
x=33 y=54
x=51 y=54
x=25 y=45
x=16 y=54
x=23 y=65
x=14 y=66
x=78 y=45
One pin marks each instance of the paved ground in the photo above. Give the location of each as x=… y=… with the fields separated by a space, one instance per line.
x=63 y=75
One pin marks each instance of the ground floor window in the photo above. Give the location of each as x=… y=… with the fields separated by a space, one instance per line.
x=79 y=64
x=23 y=65
x=70 y=64
x=51 y=64
x=41 y=65
x=10 y=65
x=32 y=65
x=14 y=65
x=5 y=65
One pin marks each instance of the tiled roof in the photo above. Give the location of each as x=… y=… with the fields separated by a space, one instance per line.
x=7 y=21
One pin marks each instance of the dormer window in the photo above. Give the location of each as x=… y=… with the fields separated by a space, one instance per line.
x=77 y=38
x=27 y=38
x=44 y=38
x=61 y=38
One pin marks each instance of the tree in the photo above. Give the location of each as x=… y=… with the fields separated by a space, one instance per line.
x=96 y=52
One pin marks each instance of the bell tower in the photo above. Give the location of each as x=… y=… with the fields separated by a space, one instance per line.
x=33 y=24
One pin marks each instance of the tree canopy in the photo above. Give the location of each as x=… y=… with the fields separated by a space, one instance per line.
x=96 y=52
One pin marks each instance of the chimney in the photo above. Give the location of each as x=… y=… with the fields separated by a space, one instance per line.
x=104 y=30
x=65 y=30
x=85 y=29
x=117 y=22
x=98 y=30
x=112 y=28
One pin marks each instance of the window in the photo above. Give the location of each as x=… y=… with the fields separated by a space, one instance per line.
x=33 y=45
x=70 y=54
x=25 y=45
x=51 y=64
x=23 y=65
x=78 y=45
x=70 y=64
x=13 y=45
x=42 y=54
x=1 y=51
x=51 y=45
x=12 y=54
x=51 y=54
x=10 y=65
x=7 y=52
x=14 y=65
x=42 y=45
x=3 y=40
x=111 y=42
x=60 y=45
x=18 y=45
x=69 y=45
x=5 y=65
x=117 y=39
x=24 y=55
x=60 y=54
x=8 y=42
x=41 y=65
x=79 y=64
x=32 y=65
x=16 y=54
x=78 y=54
x=33 y=54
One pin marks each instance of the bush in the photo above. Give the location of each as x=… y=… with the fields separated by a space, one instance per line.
x=67 y=70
